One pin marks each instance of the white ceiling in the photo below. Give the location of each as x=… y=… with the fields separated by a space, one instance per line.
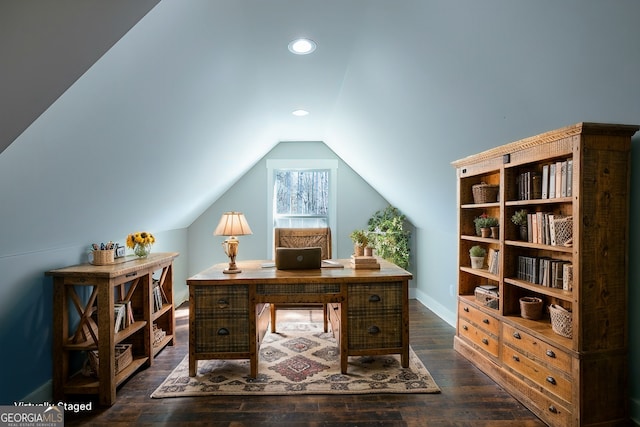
x=199 y=90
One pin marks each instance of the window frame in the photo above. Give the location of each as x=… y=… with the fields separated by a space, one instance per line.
x=302 y=165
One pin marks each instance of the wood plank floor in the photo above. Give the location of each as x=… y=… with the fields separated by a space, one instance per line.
x=468 y=398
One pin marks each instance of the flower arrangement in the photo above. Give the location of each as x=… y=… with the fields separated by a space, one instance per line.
x=141 y=242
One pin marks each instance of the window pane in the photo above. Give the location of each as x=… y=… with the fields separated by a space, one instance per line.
x=301 y=192
x=300 y=222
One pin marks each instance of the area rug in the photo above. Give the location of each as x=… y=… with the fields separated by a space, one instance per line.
x=299 y=359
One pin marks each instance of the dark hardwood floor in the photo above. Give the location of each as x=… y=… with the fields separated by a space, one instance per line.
x=468 y=397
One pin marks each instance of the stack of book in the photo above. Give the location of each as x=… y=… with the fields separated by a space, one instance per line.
x=364 y=262
x=123 y=315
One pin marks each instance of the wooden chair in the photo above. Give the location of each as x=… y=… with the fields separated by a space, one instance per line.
x=302 y=238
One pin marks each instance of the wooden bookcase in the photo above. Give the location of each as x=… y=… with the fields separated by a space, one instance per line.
x=84 y=321
x=579 y=380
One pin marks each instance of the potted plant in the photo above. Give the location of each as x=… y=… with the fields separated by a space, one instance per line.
x=390 y=236
x=360 y=241
x=477 y=254
x=485 y=224
x=519 y=218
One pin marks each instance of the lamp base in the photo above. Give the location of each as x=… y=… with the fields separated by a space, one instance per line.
x=231 y=271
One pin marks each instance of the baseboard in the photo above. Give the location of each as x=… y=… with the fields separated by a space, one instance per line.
x=42 y=394
x=440 y=310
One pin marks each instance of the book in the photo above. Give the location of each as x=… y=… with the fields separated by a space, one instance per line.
x=569 y=177
x=552 y=180
x=545 y=182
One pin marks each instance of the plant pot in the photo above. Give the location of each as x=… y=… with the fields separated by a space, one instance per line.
x=524 y=234
x=495 y=232
x=358 y=250
x=531 y=308
x=368 y=251
x=477 y=262
x=485 y=232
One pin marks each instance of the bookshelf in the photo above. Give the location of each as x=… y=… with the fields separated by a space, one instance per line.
x=109 y=315
x=574 y=184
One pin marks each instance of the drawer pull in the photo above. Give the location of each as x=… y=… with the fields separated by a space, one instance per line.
x=466 y=309
x=135 y=273
x=373 y=330
x=465 y=327
x=223 y=331
x=553 y=409
x=550 y=353
x=517 y=336
x=374 y=298
x=551 y=380
x=516 y=358
x=486 y=321
x=223 y=303
x=485 y=341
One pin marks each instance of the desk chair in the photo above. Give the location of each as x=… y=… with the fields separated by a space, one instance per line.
x=302 y=238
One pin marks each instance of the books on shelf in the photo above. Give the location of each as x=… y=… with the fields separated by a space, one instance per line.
x=494 y=261
x=123 y=315
x=158 y=296
x=544 y=271
x=553 y=180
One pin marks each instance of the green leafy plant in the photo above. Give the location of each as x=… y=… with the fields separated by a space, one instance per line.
x=486 y=222
x=520 y=217
x=389 y=236
x=477 y=251
x=359 y=237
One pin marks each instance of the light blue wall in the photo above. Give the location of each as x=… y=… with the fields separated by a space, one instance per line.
x=357 y=201
x=26 y=311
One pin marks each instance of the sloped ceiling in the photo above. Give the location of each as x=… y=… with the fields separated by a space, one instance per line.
x=199 y=90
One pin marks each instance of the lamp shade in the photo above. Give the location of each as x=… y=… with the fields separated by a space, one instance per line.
x=232 y=224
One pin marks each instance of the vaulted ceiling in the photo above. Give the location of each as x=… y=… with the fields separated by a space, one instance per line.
x=104 y=115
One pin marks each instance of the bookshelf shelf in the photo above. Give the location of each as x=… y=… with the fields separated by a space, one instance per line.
x=130 y=280
x=574 y=184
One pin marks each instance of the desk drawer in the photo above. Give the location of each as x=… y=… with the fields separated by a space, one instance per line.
x=222 y=301
x=370 y=297
x=215 y=335
x=375 y=332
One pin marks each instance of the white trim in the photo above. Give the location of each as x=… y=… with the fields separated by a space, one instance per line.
x=302 y=164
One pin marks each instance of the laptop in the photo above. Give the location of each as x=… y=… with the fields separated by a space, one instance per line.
x=298 y=258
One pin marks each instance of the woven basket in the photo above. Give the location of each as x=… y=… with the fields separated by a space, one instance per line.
x=485 y=193
x=561 y=320
x=123 y=354
x=563 y=230
x=103 y=257
x=531 y=308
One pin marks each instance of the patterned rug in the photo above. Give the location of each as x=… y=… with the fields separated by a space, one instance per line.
x=299 y=359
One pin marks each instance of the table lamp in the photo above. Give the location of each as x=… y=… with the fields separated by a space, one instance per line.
x=232 y=224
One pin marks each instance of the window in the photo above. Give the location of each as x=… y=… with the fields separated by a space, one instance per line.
x=301 y=198
x=302 y=193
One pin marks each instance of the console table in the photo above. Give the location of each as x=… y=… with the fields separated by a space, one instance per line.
x=229 y=316
x=84 y=320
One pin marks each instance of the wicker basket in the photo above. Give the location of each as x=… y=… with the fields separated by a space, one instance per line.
x=531 y=308
x=124 y=357
x=561 y=320
x=563 y=230
x=485 y=193
x=103 y=257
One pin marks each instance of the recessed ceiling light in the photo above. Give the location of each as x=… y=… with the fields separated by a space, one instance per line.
x=302 y=46
x=300 y=113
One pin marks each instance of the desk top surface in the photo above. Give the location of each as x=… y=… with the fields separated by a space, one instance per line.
x=255 y=271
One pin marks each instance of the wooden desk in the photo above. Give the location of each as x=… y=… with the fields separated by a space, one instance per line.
x=229 y=314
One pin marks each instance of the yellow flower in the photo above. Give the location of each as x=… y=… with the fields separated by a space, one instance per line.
x=140 y=238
